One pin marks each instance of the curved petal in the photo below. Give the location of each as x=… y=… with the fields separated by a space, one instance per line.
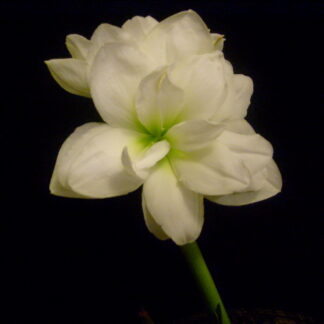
x=254 y=150
x=269 y=182
x=214 y=170
x=237 y=101
x=176 y=209
x=158 y=102
x=89 y=162
x=70 y=74
x=180 y=35
x=240 y=126
x=78 y=46
x=218 y=40
x=192 y=135
x=139 y=27
x=151 y=224
x=105 y=33
x=115 y=75
x=203 y=79
x=143 y=162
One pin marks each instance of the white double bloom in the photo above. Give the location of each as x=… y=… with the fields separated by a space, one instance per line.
x=174 y=122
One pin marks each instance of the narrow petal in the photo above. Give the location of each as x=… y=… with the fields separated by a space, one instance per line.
x=270 y=183
x=254 y=150
x=158 y=102
x=218 y=40
x=78 y=46
x=180 y=35
x=237 y=101
x=70 y=74
x=192 y=135
x=203 y=78
x=178 y=210
x=114 y=78
x=214 y=170
x=89 y=163
x=139 y=27
x=151 y=224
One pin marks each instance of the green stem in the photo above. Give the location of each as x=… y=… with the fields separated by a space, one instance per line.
x=205 y=282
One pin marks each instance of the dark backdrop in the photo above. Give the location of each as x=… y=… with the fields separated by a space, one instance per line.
x=88 y=261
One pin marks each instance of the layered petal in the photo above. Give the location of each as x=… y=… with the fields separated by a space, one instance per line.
x=89 y=163
x=114 y=79
x=178 y=36
x=158 y=102
x=70 y=74
x=237 y=100
x=139 y=27
x=78 y=46
x=254 y=150
x=265 y=184
x=174 y=208
x=193 y=135
x=213 y=170
x=203 y=79
x=142 y=163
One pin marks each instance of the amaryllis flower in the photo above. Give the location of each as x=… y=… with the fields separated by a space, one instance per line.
x=177 y=129
x=177 y=36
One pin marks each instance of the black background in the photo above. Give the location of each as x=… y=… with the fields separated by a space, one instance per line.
x=89 y=261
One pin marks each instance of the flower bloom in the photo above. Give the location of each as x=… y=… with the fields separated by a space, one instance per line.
x=174 y=122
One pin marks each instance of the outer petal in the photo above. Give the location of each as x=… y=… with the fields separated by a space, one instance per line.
x=203 y=78
x=237 y=101
x=104 y=34
x=211 y=171
x=180 y=35
x=254 y=150
x=151 y=224
x=89 y=163
x=158 y=102
x=70 y=74
x=218 y=41
x=139 y=27
x=178 y=210
x=114 y=78
x=192 y=135
x=240 y=126
x=78 y=46
x=269 y=182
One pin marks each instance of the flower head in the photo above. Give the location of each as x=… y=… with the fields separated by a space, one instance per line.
x=173 y=123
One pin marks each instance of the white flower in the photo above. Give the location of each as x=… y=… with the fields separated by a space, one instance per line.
x=178 y=36
x=176 y=128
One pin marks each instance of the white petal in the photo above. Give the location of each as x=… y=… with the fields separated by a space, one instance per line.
x=180 y=35
x=214 y=170
x=151 y=224
x=175 y=208
x=270 y=184
x=203 y=79
x=138 y=27
x=89 y=162
x=158 y=102
x=78 y=46
x=237 y=101
x=240 y=126
x=141 y=164
x=254 y=150
x=114 y=78
x=193 y=134
x=70 y=74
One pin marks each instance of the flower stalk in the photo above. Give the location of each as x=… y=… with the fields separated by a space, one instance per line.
x=205 y=282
